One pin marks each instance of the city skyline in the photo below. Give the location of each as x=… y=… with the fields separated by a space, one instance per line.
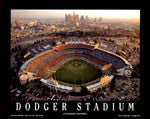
x=120 y=14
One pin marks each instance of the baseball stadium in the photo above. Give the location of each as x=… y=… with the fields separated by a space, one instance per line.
x=69 y=67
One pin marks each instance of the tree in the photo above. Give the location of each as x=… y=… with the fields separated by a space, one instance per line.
x=136 y=71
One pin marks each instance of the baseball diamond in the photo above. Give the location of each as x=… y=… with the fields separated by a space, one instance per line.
x=79 y=72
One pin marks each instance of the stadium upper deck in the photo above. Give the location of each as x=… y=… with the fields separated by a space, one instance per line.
x=45 y=57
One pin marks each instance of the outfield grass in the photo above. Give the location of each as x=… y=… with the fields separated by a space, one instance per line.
x=77 y=72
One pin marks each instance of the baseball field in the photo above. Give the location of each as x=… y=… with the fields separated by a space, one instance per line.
x=77 y=72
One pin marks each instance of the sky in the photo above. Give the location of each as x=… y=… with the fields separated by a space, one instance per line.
x=124 y=14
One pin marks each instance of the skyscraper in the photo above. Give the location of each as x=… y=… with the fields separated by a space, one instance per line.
x=77 y=17
x=74 y=18
x=87 y=18
x=66 y=18
x=100 y=19
x=82 y=18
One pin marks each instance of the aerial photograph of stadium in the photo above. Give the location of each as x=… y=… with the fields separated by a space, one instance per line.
x=75 y=55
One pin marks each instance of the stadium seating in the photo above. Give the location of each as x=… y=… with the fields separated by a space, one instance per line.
x=48 y=59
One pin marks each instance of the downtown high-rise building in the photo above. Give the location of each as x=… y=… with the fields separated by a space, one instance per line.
x=74 y=18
